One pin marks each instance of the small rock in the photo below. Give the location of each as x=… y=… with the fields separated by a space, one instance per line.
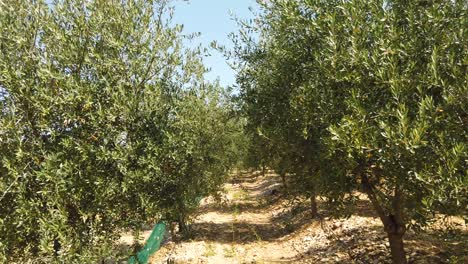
x=337 y=225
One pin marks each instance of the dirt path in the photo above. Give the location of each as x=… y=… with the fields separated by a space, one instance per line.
x=253 y=224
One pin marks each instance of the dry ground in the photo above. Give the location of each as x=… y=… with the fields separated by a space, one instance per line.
x=254 y=224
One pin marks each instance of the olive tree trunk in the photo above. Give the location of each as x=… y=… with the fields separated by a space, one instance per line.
x=313 y=205
x=394 y=224
x=397 y=248
x=283 y=179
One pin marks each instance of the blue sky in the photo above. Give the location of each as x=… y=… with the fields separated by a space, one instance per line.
x=213 y=20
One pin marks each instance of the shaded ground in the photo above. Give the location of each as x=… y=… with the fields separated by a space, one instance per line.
x=254 y=224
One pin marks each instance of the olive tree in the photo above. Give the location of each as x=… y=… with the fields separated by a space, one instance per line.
x=380 y=89
x=275 y=74
x=200 y=148
x=405 y=127
x=106 y=123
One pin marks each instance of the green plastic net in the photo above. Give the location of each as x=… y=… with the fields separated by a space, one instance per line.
x=152 y=245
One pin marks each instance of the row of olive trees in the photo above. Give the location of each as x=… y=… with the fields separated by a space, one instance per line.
x=106 y=123
x=362 y=95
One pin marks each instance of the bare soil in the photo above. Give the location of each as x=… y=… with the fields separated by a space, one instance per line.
x=254 y=223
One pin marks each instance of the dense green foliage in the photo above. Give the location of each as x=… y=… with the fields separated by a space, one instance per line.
x=362 y=95
x=106 y=123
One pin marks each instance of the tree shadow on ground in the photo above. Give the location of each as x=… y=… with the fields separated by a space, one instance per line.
x=244 y=206
x=345 y=243
x=289 y=215
x=265 y=186
x=237 y=232
x=369 y=244
x=285 y=223
x=362 y=244
x=266 y=196
x=249 y=177
x=353 y=245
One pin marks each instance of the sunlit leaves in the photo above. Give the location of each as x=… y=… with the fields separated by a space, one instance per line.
x=106 y=123
x=377 y=86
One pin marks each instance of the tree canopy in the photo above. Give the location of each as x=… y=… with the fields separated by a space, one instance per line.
x=359 y=95
x=106 y=124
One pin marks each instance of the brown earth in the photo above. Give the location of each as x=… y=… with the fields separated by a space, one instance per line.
x=254 y=224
